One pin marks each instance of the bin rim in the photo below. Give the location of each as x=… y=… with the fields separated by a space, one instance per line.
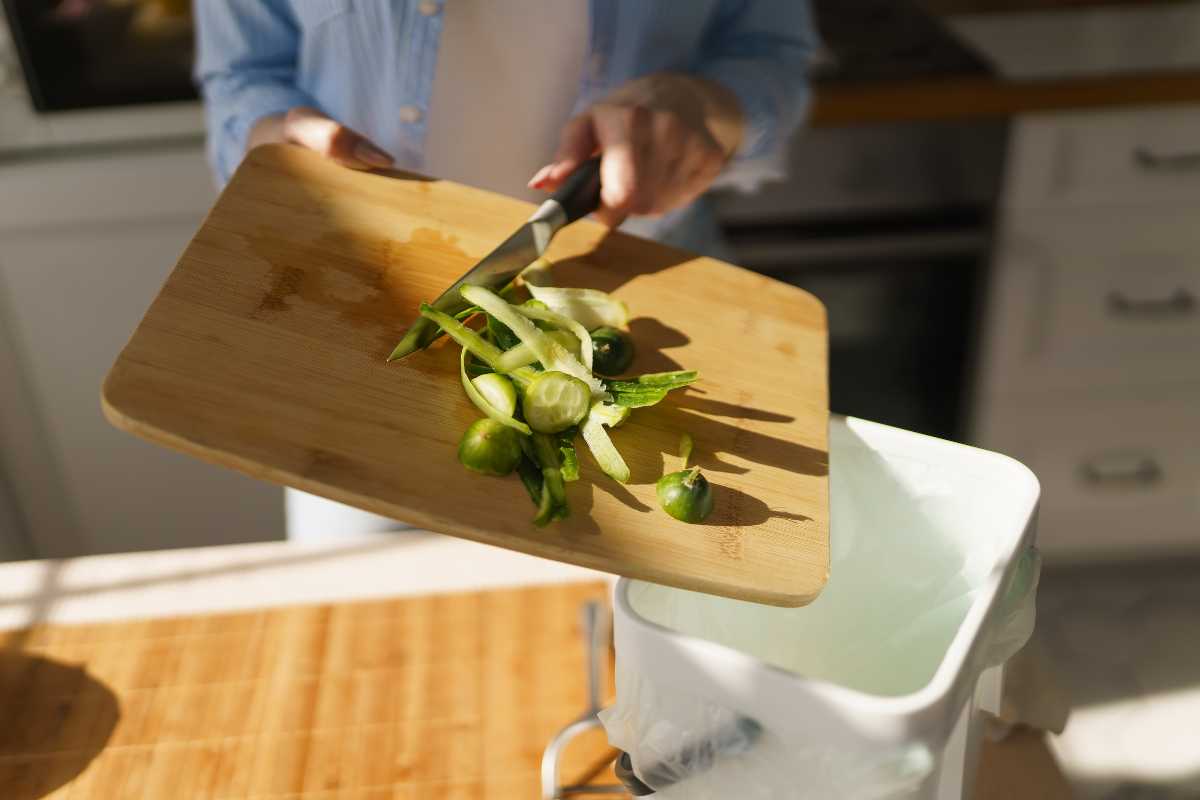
x=948 y=681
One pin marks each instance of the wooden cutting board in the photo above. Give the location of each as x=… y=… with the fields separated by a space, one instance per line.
x=265 y=352
x=449 y=697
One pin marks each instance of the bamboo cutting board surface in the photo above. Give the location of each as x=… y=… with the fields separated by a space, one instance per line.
x=265 y=352
x=449 y=697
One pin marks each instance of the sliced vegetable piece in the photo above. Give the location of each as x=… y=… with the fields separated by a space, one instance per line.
x=610 y=414
x=482 y=349
x=613 y=351
x=546 y=508
x=531 y=477
x=591 y=308
x=657 y=380
x=479 y=347
x=554 y=491
x=522 y=355
x=484 y=403
x=559 y=320
x=497 y=390
x=603 y=450
x=650 y=389
x=685 y=448
x=537 y=273
x=550 y=353
x=641 y=399
x=555 y=401
x=490 y=447
x=568 y=456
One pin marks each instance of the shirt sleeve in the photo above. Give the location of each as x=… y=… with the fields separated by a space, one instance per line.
x=246 y=53
x=761 y=51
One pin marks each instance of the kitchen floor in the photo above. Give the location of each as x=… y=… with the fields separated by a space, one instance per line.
x=1125 y=641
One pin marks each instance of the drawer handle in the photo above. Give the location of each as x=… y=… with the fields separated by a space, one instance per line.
x=1121 y=469
x=1166 y=162
x=1180 y=303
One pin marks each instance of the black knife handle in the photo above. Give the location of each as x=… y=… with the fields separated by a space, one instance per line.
x=579 y=194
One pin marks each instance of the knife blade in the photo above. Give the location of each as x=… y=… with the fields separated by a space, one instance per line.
x=578 y=196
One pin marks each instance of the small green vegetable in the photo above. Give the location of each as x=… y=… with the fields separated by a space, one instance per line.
x=555 y=401
x=497 y=390
x=496 y=383
x=612 y=351
x=685 y=495
x=490 y=447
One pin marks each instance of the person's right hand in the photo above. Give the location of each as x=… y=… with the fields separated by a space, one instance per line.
x=309 y=128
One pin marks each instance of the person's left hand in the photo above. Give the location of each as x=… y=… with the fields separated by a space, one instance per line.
x=663 y=140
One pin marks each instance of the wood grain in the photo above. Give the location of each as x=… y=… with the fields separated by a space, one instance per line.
x=449 y=697
x=265 y=352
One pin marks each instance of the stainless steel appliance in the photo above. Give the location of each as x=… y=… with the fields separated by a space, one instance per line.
x=80 y=54
x=889 y=226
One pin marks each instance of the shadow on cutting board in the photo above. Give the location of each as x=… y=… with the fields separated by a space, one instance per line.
x=56 y=720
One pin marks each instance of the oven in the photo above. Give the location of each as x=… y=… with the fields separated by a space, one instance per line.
x=890 y=226
x=86 y=54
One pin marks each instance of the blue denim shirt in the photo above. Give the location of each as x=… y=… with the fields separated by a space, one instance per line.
x=361 y=60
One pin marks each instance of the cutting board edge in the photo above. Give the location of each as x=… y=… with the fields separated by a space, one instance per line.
x=285 y=478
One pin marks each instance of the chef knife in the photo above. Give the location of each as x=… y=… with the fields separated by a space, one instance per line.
x=578 y=196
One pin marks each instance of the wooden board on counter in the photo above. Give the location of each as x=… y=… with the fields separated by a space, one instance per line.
x=265 y=352
x=449 y=697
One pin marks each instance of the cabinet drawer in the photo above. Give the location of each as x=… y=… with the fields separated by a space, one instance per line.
x=1117 y=478
x=1084 y=300
x=1142 y=157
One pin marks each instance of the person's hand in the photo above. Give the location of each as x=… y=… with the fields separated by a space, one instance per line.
x=663 y=140
x=309 y=128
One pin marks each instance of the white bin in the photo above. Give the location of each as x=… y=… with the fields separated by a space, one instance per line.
x=875 y=689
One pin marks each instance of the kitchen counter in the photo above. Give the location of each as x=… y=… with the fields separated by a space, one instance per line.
x=955 y=60
x=266 y=575
x=160 y=706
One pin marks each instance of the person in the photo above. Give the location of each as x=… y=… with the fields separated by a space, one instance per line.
x=675 y=97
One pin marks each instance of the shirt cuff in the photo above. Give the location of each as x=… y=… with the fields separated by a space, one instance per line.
x=247 y=107
x=768 y=121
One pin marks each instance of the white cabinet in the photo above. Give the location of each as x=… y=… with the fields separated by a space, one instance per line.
x=1091 y=356
x=85 y=246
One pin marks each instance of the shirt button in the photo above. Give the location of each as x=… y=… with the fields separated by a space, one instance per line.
x=410 y=114
x=429 y=7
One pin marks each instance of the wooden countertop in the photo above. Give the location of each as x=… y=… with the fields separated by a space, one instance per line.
x=448 y=696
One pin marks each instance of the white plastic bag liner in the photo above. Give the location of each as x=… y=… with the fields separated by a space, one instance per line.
x=872 y=691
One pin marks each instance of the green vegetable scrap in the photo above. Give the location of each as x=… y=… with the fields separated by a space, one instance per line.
x=685 y=494
x=541 y=374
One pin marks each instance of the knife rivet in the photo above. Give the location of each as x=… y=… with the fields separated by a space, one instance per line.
x=410 y=114
x=429 y=8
